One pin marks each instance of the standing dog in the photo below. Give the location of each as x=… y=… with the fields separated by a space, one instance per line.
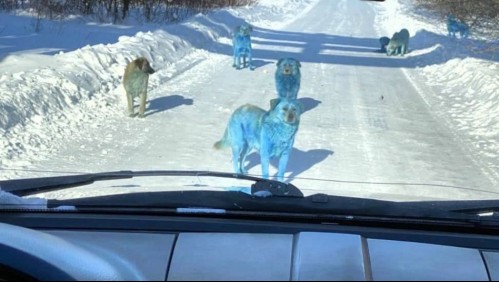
x=399 y=43
x=135 y=82
x=287 y=78
x=241 y=44
x=453 y=26
x=271 y=133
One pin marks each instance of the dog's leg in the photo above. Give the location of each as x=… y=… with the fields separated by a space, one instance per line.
x=464 y=32
x=130 y=104
x=294 y=93
x=283 y=162
x=236 y=157
x=233 y=53
x=453 y=32
x=265 y=157
x=250 y=60
x=265 y=160
x=234 y=61
x=244 y=154
x=143 y=99
x=237 y=61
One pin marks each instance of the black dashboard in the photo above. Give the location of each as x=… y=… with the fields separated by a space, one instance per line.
x=74 y=246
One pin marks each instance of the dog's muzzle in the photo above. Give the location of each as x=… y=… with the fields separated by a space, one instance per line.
x=290 y=118
x=287 y=71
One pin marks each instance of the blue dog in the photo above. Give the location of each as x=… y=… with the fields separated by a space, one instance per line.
x=271 y=133
x=288 y=78
x=453 y=26
x=384 y=41
x=241 y=44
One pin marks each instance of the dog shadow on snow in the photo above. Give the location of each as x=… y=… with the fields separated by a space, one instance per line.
x=308 y=103
x=299 y=161
x=260 y=63
x=165 y=103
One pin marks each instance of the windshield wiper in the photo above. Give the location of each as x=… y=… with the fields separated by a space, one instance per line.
x=29 y=186
x=284 y=197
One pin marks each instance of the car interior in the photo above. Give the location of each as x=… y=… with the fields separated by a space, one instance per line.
x=120 y=246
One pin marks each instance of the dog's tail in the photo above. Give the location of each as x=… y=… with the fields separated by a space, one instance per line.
x=222 y=143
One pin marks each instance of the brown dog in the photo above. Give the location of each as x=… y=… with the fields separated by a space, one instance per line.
x=135 y=82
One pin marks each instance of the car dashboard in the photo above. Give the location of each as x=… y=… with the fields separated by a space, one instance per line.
x=59 y=246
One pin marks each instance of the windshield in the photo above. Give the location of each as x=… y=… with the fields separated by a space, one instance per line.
x=389 y=100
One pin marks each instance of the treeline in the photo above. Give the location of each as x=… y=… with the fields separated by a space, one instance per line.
x=481 y=15
x=116 y=11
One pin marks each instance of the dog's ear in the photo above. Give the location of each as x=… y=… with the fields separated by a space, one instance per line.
x=279 y=61
x=143 y=64
x=298 y=63
x=139 y=62
x=273 y=103
x=250 y=27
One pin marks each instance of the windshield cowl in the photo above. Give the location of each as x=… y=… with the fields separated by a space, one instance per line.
x=234 y=202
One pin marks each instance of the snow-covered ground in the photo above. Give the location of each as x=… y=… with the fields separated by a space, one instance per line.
x=374 y=126
x=461 y=75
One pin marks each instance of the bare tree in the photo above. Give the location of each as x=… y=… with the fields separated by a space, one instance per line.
x=109 y=10
x=481 y=15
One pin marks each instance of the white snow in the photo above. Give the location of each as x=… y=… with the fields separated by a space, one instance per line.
x=62 y=106
x=462 y=75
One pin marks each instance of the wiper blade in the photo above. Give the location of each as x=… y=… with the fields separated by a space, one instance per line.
x=29 y=186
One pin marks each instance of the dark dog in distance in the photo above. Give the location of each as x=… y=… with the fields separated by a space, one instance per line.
x=241 y=44
x=384 y=41
x=287 y=78
x=270 y=133
x=454 y=25
x=135 y=81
